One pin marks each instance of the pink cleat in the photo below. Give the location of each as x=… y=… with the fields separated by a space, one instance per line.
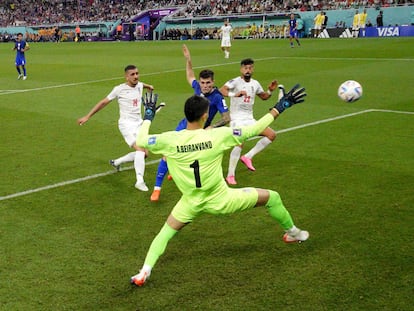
x=231 y=180
x=140 y=278
x=298 y=236
x=248 y=162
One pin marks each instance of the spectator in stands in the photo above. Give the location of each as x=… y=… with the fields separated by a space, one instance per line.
x=325 y=21
x=380 y=22
x=131 y=31
x=355 y=24
x=318 y=21
x=119 y=31
x=363 y=21
x=78 y=34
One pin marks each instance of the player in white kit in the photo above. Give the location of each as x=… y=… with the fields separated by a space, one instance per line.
x=129 y=95
x=242 y=92
x=225 y=32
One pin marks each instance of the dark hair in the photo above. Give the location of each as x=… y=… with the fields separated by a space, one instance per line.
x=19 y=34
x=195 y=107
x=206 y=73
x=130 y=67
x=247 y=61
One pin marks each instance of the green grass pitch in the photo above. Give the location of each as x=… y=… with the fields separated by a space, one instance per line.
x=72 y=231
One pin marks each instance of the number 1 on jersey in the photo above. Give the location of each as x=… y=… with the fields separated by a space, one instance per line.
x=195 y=165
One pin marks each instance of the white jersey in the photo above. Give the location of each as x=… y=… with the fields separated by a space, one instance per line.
x=129 y=100
x=241 y=108
x=226 y=31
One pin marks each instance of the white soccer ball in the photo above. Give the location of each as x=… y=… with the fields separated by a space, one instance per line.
x=350 y=91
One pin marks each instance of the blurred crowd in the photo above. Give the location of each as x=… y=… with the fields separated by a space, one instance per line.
x=49 y=12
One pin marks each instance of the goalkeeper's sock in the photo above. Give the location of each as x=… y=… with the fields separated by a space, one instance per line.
x=161 y=172
x=159 y=245
x=278 y=211
x=234 y=158
x=130 y=157
x=260 y=145
x=139 y=165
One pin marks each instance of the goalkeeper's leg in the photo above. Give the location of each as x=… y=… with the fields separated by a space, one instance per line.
x=278 y=211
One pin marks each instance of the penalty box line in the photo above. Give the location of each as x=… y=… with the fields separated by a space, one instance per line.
x=74 y=181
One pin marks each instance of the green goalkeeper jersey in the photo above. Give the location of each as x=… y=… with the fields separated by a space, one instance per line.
x=194 y=156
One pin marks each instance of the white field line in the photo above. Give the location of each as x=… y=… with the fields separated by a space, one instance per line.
x=7 y=92
x=73 y=181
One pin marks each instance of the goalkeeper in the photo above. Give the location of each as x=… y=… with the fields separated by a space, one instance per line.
x=195 y=160
x=204 y=87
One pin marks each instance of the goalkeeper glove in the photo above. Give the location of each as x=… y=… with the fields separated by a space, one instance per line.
x=295 y=96
x=150 y=105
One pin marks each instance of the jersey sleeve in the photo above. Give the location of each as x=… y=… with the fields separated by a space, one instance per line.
x=241 y=134
x=156 y=143
x=196 y=87
x=114 y=93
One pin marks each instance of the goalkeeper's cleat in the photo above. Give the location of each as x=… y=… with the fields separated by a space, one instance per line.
x=248 y=162
x=231 y=180
x=296 y=236
x=155 y=196
x=169 y=177
x=19 y=76
x=140 y=278
x=117 y=167
x=141 y=186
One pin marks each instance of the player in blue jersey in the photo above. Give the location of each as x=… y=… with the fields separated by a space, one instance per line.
x=204 y=87
x=293 y=31
x=21 y=46
x=195 y=159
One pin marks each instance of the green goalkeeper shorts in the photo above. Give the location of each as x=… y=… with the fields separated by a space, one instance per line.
x=225 y=202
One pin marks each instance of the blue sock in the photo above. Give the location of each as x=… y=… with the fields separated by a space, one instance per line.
x=162 y=170
x=18 y=70
x=24 y=71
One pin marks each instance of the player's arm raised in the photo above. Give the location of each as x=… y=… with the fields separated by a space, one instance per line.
x=188 y=65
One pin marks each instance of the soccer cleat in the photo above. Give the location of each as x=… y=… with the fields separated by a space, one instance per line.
x=155 y=196
x=19 y=76
x=141 y=186
x=140 y=278
x=231 y=180
x=248 y=162
x=25 y=77
x=117 y=167
x=299 y=236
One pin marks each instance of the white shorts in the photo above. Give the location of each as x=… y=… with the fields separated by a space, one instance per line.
x=129 y=130
x=318 y=27
x=225 y=42
x=239 y=123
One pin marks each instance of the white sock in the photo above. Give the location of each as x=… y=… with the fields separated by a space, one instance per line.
x=234 y=158
x=260 y=145
x=293 y=231
x=126 y=158
x=146 y=268
x=139 y=165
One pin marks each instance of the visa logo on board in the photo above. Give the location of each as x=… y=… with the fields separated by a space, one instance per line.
x=388 y=32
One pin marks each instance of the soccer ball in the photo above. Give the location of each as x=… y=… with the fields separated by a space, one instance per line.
x=350 y=91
